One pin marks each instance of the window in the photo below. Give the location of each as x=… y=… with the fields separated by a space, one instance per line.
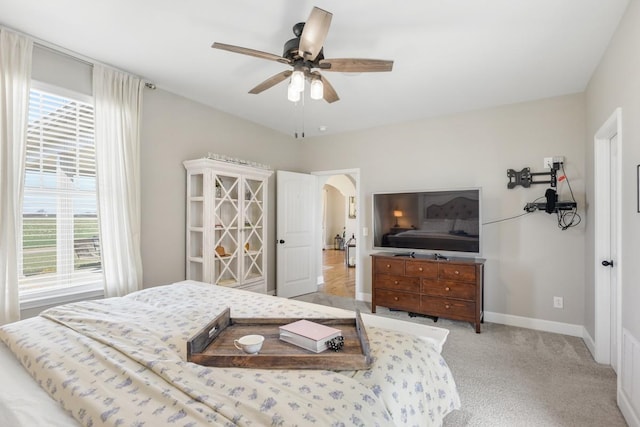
x=60 y=234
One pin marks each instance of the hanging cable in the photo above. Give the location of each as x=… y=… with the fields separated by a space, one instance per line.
x=527 y=212
x=506 y=219
x=570 y=218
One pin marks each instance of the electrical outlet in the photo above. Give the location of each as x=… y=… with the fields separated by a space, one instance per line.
x=558 y=302
x=547 y=162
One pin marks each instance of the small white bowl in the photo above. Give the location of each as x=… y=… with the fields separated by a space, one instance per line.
x=250 y=344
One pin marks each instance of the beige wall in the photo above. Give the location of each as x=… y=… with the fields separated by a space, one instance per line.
x=175 y=129
x=616 y=83
x=529 y=260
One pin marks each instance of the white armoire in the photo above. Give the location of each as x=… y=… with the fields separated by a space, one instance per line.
x=226 y=224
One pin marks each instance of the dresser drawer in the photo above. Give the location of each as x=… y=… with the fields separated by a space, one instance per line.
x=449 y=289
x=389 y=266
x=400 y=283
x=449 y=308
x=442 y=288
x=399 y=300
x=421 y=269
x=463 y=273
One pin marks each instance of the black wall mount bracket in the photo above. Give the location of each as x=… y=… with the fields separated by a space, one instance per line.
x=525 y=177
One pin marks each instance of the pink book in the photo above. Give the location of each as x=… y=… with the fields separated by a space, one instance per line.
x=311 y=330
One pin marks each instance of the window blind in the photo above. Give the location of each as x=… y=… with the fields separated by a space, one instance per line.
x=60 y=232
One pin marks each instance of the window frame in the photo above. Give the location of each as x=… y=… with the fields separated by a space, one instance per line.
x=34 y=298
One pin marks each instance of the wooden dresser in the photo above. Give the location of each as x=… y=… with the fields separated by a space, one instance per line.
x=451 y=288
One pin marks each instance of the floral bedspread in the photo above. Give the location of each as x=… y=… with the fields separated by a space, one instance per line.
x=122 y=362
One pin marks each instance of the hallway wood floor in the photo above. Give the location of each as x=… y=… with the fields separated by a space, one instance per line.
x=339 y=279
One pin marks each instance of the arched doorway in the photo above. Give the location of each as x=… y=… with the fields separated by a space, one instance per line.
x=339 y=270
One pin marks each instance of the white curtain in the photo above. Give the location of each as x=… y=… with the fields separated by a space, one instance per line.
x=118 y=104
x=15 y=77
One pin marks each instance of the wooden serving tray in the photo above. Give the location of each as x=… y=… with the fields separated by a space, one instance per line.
x=213 y=345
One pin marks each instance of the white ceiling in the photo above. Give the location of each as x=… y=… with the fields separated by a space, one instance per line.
x=450 y=55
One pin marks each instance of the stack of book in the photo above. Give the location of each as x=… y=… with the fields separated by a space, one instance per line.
x=309 y=335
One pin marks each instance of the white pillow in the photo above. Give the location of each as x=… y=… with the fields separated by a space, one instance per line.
x=438 y=225
x=469 y=226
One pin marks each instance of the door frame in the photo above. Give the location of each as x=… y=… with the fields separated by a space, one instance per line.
x=602 y=292
x=355 y=173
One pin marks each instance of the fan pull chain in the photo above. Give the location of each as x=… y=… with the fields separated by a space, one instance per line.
x=298 y=106
x=302 y=99
x=295 y=121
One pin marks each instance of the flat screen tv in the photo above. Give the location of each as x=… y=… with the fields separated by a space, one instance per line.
x=445 y=222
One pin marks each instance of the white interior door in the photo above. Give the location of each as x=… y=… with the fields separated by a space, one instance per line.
x=613 y=247
x=295 y=231
x=607 y=268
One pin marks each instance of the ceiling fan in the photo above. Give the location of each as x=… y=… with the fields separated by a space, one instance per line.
x=305 y=54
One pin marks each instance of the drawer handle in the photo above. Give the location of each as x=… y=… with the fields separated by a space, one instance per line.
x=457 y=272
x=447 y=289
x=420 y=269
x=396 y=298
x=388 y=266
x=447 y=306
x=396 y=282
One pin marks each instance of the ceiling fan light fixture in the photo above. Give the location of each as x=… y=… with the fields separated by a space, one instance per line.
x=293 y=94
x=303 y=54
x=297 y=80
x=316 y=91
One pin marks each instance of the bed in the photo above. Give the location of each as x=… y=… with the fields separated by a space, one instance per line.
x=122 y=361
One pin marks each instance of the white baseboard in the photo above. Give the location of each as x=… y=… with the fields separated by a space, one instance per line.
x=523 y=322
x=590 y=343
x=361 y=296
x=629 y=378
x=629 y=414
x=537 y=324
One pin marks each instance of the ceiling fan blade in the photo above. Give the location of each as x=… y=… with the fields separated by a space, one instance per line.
x=314 y=32
x=355 y=65
x=328 y=92
x=271 y=81
x=250 y=52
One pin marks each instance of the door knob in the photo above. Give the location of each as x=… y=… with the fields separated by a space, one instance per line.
x=607 y=263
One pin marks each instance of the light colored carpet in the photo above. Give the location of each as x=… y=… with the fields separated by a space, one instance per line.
x=509 y=376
